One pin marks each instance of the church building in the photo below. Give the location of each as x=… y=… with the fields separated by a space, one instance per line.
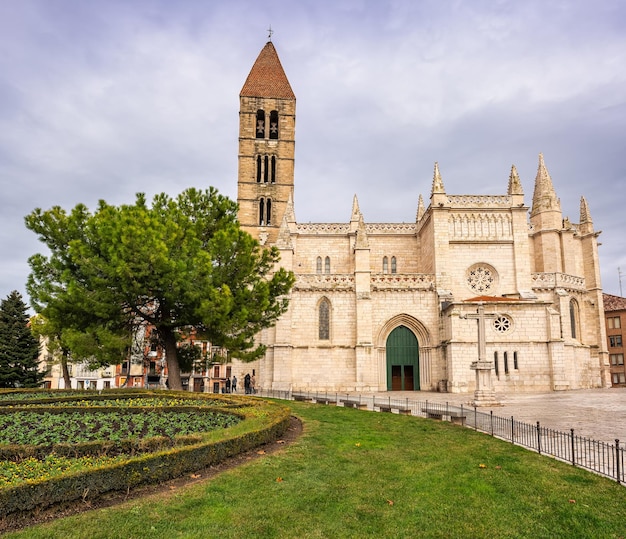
x=392 y=306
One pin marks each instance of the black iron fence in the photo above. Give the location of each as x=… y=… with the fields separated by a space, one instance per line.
x=599 y=457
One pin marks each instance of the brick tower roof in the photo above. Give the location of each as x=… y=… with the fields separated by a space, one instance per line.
x=267 y=77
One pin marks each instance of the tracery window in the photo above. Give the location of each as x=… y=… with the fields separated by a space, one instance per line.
x=482 y=279
x=393 y=264
x=327 y=265
x=502 y=323
x=574 y=317
x=385 y=264
x=324 y=320
x=318 y=265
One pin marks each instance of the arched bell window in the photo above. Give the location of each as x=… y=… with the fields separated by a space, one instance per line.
x=260 y=123
x=274 y=124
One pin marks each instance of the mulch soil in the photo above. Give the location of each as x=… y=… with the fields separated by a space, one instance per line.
x=22 y=520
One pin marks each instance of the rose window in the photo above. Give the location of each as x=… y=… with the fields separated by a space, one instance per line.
x=481 y=279
x=502 y=324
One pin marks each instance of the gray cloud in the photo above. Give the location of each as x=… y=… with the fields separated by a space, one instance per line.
x=103 y=99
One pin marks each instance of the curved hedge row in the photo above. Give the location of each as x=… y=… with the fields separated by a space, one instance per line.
x=263 y=422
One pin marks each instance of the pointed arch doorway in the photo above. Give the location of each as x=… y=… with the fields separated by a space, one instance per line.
x=402 y=351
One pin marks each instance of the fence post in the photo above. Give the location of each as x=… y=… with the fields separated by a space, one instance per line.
x=538 y=438
x=512 y=430
x=619 y=480
x=573 y=448
x=475 y=418
x=491 y=421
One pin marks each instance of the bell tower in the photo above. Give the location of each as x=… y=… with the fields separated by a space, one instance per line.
x=267 y=121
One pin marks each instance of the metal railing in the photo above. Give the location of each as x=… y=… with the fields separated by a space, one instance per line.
x=599 y=457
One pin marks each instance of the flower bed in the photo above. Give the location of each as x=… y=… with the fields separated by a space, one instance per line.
x=70 y=450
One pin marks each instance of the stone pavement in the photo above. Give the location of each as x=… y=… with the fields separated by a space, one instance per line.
x=599 y=414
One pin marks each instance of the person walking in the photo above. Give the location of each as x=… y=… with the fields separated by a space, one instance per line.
x=246 y=383
x=234 y=385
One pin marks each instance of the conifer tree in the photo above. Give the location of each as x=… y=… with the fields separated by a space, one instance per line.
x=19 y=349
x=174 y=264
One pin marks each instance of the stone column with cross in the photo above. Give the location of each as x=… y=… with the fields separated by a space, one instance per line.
x=485 y=394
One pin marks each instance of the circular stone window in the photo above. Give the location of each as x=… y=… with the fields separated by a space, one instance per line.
x=502 y=324
x=482 y=279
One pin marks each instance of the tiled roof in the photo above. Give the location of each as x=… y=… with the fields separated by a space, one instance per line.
x=267 y=77
x=613 y=303
x=490 y=298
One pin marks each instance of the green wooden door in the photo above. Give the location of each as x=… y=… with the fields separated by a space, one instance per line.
x=402 y=360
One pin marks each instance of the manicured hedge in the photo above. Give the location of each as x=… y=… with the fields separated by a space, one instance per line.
x=267 y=422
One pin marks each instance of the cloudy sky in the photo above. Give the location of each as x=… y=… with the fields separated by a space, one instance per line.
x=101 y=99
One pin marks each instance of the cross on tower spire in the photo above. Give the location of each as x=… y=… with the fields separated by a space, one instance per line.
x=270 y=32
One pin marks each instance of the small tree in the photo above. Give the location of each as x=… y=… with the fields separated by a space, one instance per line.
x=19 y=348
x=178 y=263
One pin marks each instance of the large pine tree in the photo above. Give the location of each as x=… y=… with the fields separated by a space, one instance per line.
x=19 y=349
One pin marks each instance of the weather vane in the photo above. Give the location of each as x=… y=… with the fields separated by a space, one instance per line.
x=270 y=32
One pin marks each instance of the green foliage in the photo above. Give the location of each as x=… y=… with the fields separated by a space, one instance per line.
x=45 y=480
x=178 y=263
x=19 y=348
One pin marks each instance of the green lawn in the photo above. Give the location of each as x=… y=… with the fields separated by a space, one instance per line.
x=357 y=474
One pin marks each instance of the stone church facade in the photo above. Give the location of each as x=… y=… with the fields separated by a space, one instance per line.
x=382 y=306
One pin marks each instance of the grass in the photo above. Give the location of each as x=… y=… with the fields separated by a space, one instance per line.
x=356 y=474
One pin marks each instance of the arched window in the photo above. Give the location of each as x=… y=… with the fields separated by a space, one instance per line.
x=574 y=317
x=324 y=320
x=259 y=168
x=266 y=169
x=318 y=265
x=268 y=212
x=262 y=212
x=506 y=362
x=496 y=364
x=515 y=366
x=274 y=124
x=393 y=264
x=385 y=265
x=273 y=175
x=260 y=124
x=327 y=265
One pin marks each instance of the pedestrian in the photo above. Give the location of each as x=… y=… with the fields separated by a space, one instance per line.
x=246 y=383
x=252 y=384
x=227 y=385
x=234 y=384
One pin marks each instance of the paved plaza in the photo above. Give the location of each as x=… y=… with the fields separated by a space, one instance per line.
x=599 y=414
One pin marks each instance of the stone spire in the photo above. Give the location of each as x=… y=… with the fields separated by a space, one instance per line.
x=544 y=196
x=438 y=187
x=586 y=223
x=284 y=236
x=420 y=209
x=515 y=186
x=361 y=235
x=356 y=212
x=290 y=214
x=267 y=77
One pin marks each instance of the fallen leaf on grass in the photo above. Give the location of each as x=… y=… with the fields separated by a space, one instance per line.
x=279 y=479
x=358 y=444
x=260 y=452
x=572 y=501
x=390 y=502
x=195 y=475
x=482 y=465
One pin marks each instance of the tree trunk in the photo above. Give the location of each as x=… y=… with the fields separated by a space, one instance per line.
x=65 y=370
x=173 y=368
